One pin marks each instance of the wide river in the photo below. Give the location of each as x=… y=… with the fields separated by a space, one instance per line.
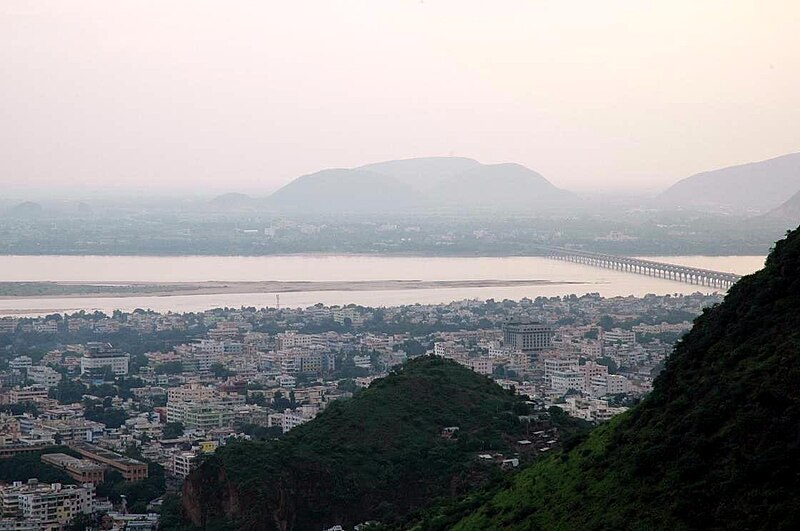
x=565 y=278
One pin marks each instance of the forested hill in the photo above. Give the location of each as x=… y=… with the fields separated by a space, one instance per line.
x=377 y=456
x=715 y=446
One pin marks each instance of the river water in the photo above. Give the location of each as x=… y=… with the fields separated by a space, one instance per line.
x=582 y=279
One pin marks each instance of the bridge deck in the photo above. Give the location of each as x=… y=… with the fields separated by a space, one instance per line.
x=676 y=272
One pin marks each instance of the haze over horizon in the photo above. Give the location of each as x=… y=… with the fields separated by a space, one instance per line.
x=245 y=97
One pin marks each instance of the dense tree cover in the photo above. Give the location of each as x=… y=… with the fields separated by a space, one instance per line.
x=173 y=430
x=171 y=515
x=112 y=417
x=414 y=348
x=378 y=456
x=82 y=522
x=169 y=367
x=36 y=345
x=714 y=446
x=21 y=408
x=220 y=371
x=261 y=433
x=137 y=493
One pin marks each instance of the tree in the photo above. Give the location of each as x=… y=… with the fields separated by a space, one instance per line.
x=347 y=385
x=261 y=433
x=112 y=417
x=606 y=322
x=219 y=370
x=67 y=391
x=279 y=402
x=173 y=430
x=85 y=521
x=170 y=367
x=259 y=399
x=608 y=362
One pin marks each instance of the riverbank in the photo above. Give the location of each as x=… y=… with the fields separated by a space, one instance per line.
x=34 y=290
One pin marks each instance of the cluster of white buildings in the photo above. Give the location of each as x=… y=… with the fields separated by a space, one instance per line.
x=44 y=506
x=563 y=375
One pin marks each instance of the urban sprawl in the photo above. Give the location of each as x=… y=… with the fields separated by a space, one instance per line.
x=104 y=414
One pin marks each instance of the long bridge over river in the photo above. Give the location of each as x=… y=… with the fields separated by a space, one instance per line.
x=679 y=273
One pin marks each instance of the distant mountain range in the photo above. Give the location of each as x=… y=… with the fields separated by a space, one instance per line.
x=409 y=185
x=755 y=187
x=349 y=190
x=27 y=209
x=233 y=200
x=423 y=174
x=429 y=183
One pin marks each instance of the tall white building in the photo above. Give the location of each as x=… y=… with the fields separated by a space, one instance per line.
x=182 y=463
x=617 y=335
x=557 y=365
x=100 y=356
x=561 y=382
x=293 y=339
x=20 y=363
x=44 y=375
x=527 y=336
x=351 y=315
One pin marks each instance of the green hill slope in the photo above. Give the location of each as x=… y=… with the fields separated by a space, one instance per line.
x=715 y=446
x=377 y=456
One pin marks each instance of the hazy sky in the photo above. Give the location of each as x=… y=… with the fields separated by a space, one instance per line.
x=246 y=95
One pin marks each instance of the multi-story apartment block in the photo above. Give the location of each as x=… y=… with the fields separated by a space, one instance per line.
x=81 y=470
x=190 y=392
x=205 y=415
x=31 y=393
x=182 y=463
x=8 y=325
x=594 y=410
x=102 y=356
x=558 y=365
x=349 y=315
x=49 y=503
x=68 y=430
x=46 y=327
x=527 y=336
x=201 y=407
x=561 y=382
x=202 y=354
x=481 y=365
x=106 y=326
x=288 y=340
x=590 y=369
x=617 y=335
x=363 y=362
x=616 y=384
x=45 y=376
x=592 y=350
x=20 y=363
x=292 y=419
